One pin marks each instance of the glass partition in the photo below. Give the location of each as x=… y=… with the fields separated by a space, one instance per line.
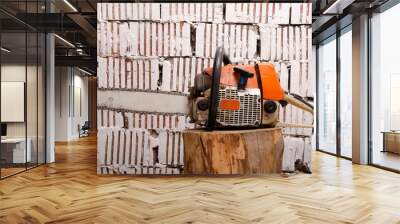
x=41 y=97
x=327 y=95
x=32 y=97
x=346 y=94
x=22 y=77
x=385 y=89
x=334 y=99
x=15 y=150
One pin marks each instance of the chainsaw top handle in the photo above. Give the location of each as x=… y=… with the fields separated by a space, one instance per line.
x=220 y=57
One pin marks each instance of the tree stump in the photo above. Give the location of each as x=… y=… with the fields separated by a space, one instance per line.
x=254 y=151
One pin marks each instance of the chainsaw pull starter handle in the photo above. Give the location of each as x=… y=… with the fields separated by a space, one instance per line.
x=243 y=77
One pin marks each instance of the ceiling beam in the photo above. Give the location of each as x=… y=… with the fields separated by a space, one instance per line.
x=78 y=61
x=337 y=7
x=90 y=31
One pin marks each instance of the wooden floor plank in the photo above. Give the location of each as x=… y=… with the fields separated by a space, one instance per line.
x=70 y=191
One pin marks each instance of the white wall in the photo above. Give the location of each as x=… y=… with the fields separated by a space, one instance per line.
x=79 y=118
x=16 y=73
x=12 y=73
x=71 y=87
x=61 y=103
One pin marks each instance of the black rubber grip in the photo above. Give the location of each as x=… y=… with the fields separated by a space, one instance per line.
x=220 y=57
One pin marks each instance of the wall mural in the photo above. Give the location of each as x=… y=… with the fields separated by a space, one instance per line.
x=149 y=53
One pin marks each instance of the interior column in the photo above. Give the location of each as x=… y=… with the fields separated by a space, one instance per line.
x=360 y=90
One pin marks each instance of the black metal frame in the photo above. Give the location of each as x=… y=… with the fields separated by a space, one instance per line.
x=338 y=98
x=316 y=97
x=369 y=116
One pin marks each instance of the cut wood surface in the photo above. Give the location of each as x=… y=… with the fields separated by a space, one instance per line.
x=255 y=151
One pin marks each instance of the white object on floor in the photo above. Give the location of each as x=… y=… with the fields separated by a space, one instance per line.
x=19 y=155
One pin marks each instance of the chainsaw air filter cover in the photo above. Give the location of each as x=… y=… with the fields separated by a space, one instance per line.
x=239 y=108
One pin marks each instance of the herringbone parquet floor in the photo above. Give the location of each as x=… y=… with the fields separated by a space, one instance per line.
x=69 y=191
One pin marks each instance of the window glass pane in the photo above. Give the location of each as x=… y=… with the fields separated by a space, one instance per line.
x=327 y=96
x=32 y=97
x=35 y=87
x=346 y=94
x=15 y=150
x=385 y=84
x=23 y=87
x=41 y=98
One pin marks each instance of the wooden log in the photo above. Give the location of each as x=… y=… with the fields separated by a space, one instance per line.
x=255 y=151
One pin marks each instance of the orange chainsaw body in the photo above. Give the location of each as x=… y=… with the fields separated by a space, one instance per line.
x=239 y=95
x=272 y=89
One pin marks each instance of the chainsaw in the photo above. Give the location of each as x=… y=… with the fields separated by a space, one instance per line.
x=239 y=96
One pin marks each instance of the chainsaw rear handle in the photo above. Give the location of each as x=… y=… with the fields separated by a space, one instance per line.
x=295 y=99
x=220 y=57
x=299 y=102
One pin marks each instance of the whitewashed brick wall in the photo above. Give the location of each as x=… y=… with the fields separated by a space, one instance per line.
x=158 y=48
